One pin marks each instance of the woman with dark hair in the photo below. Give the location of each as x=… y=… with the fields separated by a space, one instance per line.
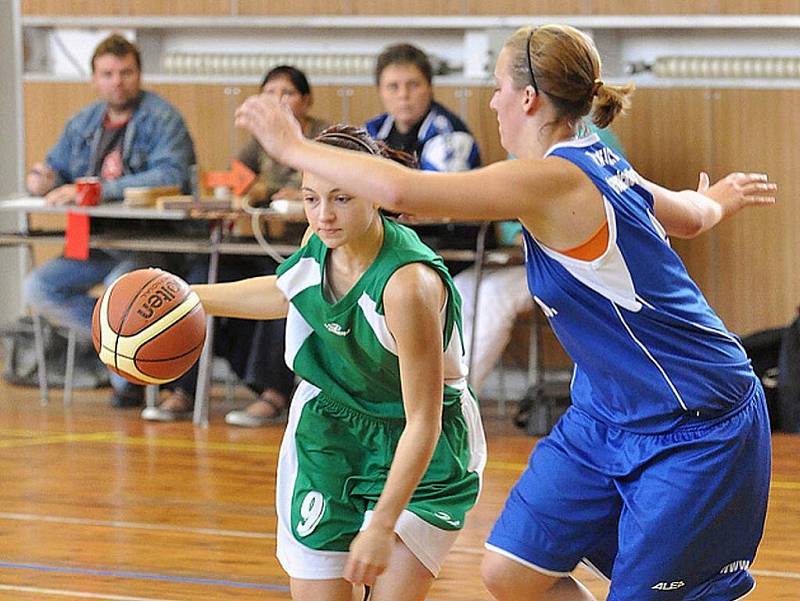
x=658 y=474
x=289 y=85
x=254 y=351
x=384 y=450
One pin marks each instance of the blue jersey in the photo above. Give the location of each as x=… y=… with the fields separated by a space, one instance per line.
x=648 y=349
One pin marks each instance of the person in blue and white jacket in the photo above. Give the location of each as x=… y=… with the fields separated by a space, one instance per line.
x=415 y=123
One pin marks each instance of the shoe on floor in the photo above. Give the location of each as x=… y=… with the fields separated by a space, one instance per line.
x=270 y=408
x=129 y=396
x=174 y=408
x=157 y=414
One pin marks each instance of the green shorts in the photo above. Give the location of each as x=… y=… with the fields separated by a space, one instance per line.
x=333 y=466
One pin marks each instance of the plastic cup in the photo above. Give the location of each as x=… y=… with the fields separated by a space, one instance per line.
x=88 y=190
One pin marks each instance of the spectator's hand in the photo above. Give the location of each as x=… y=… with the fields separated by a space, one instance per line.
x=738 y=190
x=62 y=195
x=271 y=123
x=288 y=193
x=40 y=179
x=369 y=555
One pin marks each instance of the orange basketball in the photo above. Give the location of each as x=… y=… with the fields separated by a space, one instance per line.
x=149 y=326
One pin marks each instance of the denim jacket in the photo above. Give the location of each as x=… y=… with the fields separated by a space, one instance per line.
x=157 y=149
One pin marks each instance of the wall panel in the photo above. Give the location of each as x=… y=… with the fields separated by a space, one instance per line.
x=528 y=7
x=73 y=7
x=296 y=7
x=759 y=277
x=655 y=7
x=178 y=7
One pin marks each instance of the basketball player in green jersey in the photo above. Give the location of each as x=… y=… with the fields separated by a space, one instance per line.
x=384 y=449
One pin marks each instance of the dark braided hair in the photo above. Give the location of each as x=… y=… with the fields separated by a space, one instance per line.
x=357 y=138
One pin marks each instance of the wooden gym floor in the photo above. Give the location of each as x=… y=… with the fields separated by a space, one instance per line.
x=96 y=504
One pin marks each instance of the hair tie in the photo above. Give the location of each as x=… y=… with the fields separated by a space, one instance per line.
x=598 y=83
x=345 y=136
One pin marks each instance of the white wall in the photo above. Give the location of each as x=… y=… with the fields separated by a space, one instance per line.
x=11 y=163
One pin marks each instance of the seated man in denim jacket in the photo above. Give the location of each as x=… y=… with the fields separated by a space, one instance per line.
x=128 y=138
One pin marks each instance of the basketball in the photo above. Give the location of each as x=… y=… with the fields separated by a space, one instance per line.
x=149 y=327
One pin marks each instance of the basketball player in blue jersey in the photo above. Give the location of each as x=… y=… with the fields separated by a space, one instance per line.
x=658 y=473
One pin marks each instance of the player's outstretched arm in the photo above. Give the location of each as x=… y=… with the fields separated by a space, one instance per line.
x=413 y=300
x=503 y=190
x=253 y=298
x=688 y=213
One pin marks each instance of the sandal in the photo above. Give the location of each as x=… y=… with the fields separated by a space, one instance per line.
x=177 y=406
x=270 y=408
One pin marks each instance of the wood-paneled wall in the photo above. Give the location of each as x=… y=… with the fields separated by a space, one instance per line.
x=176 y=7
x=409 y=7
x=747 y=266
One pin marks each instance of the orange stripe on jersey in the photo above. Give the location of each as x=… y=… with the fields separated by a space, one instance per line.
x=593 y=248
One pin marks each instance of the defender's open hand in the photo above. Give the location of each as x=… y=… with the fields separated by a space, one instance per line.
x=738 y=190
x=271 y=123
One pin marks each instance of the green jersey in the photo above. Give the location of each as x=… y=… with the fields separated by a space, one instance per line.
x=347 y=415
x=345 y=347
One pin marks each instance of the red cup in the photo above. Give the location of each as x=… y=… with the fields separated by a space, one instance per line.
x=89 y=190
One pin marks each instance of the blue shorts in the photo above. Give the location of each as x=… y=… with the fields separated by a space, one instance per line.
x=667 y=517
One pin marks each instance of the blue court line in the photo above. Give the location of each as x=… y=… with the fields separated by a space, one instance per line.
x=144 y=576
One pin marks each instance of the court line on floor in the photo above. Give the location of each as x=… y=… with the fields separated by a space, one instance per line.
x=764 y=573
x=53 y=439
x=256 y=535
x=281 y=588
x=31 y=517
x=116 y=438
x=272 y=449
x=39 y=567
x=82 y=594
x=776 y=574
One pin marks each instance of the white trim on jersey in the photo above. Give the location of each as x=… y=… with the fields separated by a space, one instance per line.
x=747 y=593
x=574 y=143
x=377 y=322
x=299 y=277
x=524 y=562
x=608 y=275
x=594 y=569
x=297 y=332
x=722 y=333
x=658 y=227
x=652 y=358
x=296 y=559
x=476 y=438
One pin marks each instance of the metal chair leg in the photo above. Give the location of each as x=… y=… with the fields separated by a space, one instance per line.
x=69 y=372
x=151 y=395
x=41 y=364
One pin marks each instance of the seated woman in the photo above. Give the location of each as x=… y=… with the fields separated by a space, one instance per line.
x=254 y=351
x=384 y=450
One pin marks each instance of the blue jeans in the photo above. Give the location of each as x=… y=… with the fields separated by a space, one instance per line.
x=59 y=289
